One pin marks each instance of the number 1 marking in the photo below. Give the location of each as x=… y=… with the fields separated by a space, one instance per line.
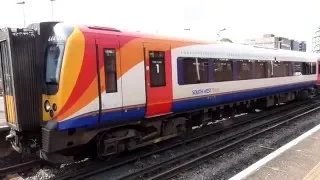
x=157 y=68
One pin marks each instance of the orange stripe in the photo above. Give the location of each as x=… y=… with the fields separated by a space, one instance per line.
x=73 y=58
x=11 y=110
x=71 y=65
x=89 y=95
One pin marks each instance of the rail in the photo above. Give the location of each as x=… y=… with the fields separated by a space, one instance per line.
x=19 y=167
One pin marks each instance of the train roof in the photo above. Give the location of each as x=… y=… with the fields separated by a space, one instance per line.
x=110 y=30
x=219 y=49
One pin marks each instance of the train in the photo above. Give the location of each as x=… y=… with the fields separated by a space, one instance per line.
x=75 y=88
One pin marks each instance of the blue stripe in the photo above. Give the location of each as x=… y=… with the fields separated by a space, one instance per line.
x=190 y=104
x=86 y=121
x=106 y=117
x=178 y=106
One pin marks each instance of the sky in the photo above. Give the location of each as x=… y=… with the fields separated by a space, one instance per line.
x=242 y=19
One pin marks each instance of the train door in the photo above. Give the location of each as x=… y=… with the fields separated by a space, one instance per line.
x=158 y=73
x=110 y=83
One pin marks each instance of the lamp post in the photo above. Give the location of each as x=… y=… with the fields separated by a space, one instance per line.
x=52 y=8
x=22 y=3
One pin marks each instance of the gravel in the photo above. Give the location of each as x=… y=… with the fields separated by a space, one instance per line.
x=231 y=163
x=49 y=172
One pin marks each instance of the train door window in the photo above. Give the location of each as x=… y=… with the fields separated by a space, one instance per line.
x=157 y=68
x=223 y=70
x=195 y=70
x=110 y=70
x=244 y=69
x=260 y=69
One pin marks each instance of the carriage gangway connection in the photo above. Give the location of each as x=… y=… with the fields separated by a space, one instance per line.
x=298 y=159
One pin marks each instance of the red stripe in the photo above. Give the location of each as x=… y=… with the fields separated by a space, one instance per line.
x=88 y=70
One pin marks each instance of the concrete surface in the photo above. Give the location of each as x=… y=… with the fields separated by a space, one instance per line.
x=299 y=162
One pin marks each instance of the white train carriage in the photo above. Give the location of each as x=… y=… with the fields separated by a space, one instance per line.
x=215 y=74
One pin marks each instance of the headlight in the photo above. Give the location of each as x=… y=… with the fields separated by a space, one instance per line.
x=47 y=106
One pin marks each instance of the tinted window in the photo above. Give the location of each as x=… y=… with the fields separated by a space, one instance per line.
x=244 y=69
x=260 y=69
x=54 y=57
x=195 y=70
x=306 y=68
x=297 y=66
x=222 y=70
x=110 y=70
x=280 y=69
x=313 y=68
x=289 y=67
x=157 y=68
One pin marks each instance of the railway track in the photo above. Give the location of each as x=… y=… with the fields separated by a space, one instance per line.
x=19 y=167
x=200 y=155
x=170 y=167
x=201 y=151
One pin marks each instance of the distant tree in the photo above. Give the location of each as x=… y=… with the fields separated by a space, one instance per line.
x=226 y=40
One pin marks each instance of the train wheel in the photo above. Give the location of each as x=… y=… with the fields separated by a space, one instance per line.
x=110 y=144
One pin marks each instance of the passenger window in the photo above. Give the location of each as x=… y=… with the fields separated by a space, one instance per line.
x=157 y=68
x=222 y=70
x=260 y=69
x=306 y=68
x=289 y=66
x=297 y=69
x=195 y=70
x=313 y=68
x=110 y=69
x=244 y=69
x=269 y=69
x=280 y=69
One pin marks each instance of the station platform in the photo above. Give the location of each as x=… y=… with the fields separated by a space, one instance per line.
x=298 y=159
